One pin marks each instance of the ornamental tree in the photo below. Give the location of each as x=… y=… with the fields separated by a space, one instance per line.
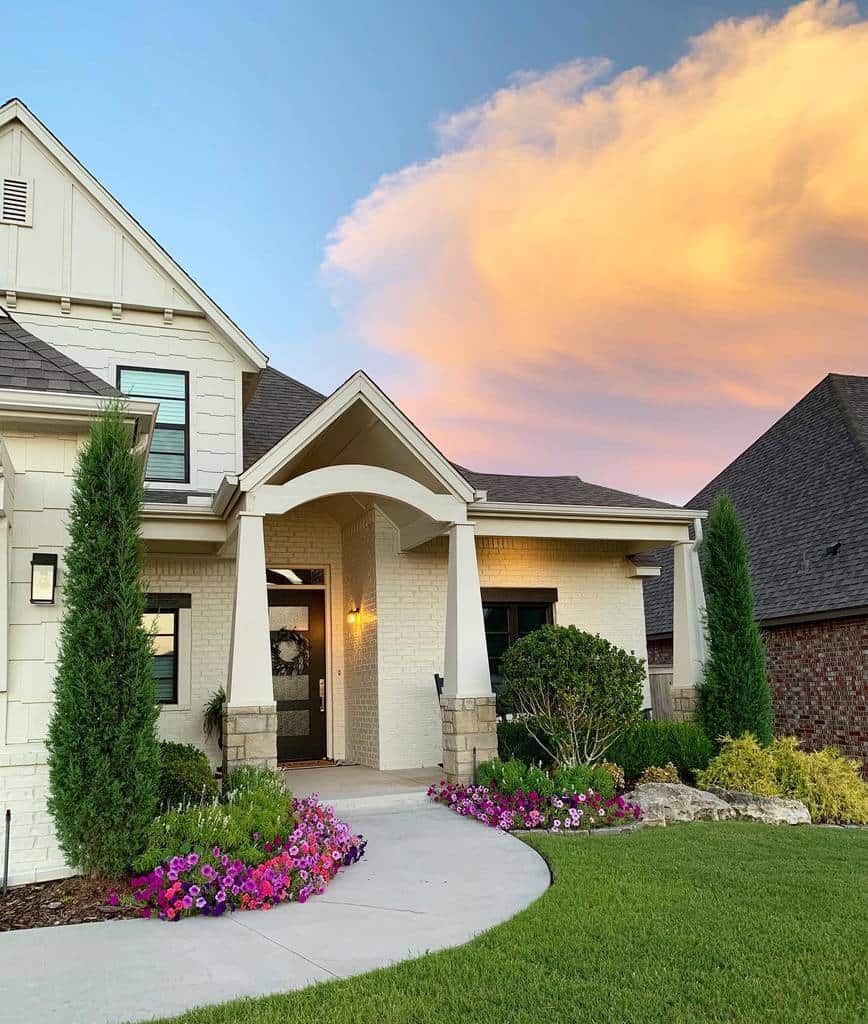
x=734 y=698
x=574 y=692
x=103 y=754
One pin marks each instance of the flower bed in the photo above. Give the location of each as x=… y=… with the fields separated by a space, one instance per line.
x=557 y=813
x=301 y=864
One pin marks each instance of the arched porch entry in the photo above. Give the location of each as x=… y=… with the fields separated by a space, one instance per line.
x=251 y=719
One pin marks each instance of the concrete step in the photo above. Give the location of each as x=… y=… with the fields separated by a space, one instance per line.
x=399 y=801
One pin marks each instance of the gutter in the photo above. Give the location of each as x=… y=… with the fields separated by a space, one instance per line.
x=523 y=510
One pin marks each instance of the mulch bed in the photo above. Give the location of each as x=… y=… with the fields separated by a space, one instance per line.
x=65 y=901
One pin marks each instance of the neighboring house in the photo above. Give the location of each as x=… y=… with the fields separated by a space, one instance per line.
x=801 y=492
x=317 y=556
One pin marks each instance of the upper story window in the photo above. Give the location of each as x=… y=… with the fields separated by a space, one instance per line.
x=169 y=461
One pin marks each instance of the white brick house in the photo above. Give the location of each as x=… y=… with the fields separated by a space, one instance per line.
x=316 y=556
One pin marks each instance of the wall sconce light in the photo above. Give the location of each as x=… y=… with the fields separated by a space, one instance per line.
x=353 y=615
x=43 y=578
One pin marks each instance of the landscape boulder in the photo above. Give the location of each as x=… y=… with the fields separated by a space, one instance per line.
x=666 y=802
x=773 y=810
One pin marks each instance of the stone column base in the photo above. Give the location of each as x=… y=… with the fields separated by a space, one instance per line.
x=683 y=703
x=469 y=723
x=249 y=736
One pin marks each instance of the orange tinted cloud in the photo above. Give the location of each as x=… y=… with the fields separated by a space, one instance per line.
x=627 y=277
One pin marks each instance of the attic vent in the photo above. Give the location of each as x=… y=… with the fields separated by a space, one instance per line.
x=16 y=201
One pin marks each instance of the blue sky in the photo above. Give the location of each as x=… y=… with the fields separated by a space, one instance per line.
x=240 y=137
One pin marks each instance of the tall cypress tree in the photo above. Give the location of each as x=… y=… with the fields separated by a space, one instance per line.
x=734 y=698
x=103 y=754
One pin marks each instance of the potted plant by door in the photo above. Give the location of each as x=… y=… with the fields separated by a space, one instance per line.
x=212 y=722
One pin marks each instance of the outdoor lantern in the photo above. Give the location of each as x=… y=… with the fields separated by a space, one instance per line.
x=43 y=578
x=353 y=615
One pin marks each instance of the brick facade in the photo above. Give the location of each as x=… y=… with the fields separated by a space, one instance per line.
x=818 y=672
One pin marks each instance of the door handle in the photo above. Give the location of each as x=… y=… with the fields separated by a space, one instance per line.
x=322 y=694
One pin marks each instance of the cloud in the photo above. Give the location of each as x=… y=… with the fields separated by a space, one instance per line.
x=627 y=277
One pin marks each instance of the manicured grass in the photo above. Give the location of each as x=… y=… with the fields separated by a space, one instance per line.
x=708 y=922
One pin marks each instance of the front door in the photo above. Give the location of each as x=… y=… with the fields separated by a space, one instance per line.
x=296 y=622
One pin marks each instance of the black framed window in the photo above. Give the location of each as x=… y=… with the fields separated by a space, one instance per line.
x=169 y=460
x=510 y=614
x=161 y=620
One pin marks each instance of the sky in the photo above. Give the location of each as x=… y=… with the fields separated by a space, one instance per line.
x=616 y=240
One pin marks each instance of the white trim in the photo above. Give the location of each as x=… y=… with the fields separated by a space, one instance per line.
x=360 y=388
x=16 y=110
x=39 y=403
x=276 y=499
x=526 y=510
x=643 y=570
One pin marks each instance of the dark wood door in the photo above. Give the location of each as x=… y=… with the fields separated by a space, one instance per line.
x=296 y=621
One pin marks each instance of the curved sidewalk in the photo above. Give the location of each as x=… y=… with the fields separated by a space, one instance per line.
x=429 y=880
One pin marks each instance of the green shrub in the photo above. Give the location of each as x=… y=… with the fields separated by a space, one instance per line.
x=574 y=692
x=827 y=783
x=102 y=742
x=668 y=773
x=511 y=777
x=744 y=765
x=658 y=743
x=185 y=775
x=514 y=741
x=255 y=803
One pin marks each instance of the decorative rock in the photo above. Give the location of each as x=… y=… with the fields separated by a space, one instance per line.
x=665 y=801
x=773 y=810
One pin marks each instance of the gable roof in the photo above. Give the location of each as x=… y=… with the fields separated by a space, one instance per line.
x=280 y=403
x=801 y=491
x=31 y=364
x=15 y=109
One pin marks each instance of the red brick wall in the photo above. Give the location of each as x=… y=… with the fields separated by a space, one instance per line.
x=819 y=677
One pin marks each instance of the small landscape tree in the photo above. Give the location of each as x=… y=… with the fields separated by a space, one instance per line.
x=734 y=698
x=103 y=754
x=574 y=692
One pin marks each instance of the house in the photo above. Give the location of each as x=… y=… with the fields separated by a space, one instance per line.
x=316 y=555
x=801 y=491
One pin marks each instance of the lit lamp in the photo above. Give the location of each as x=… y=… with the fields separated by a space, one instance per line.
x=43 y=578
x=353 y=615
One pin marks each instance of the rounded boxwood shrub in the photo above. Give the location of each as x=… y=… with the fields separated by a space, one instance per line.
x=656 y=744
x=185 y=775
x=574 y=692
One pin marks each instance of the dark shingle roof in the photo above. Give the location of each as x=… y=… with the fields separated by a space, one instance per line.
x=553 y=490
x=800 y=490
x=278 y=405
x=31 y=364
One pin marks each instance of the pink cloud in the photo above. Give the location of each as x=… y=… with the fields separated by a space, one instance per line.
x=627 y=279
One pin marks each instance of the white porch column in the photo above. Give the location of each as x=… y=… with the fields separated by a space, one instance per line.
x=466 y=666
x=688 y=623
x=467 y=704
x=250 y=715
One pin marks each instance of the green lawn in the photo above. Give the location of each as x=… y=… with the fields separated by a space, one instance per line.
x=693 y=923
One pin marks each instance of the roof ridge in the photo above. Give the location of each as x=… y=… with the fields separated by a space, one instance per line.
x=772 y=426
x=847 y=413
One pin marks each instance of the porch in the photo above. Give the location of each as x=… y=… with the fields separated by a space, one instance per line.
x=353 y=787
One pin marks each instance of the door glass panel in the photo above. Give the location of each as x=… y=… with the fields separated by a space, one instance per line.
x=287 y=617
x=293 y=723
x=291 y=687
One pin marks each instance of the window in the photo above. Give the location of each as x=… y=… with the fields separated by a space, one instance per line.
x=161 y=620
x=511 y=614
x=169 y=461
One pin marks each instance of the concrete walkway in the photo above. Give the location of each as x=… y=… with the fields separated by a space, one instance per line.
x=428 y=881
x=353 y=788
